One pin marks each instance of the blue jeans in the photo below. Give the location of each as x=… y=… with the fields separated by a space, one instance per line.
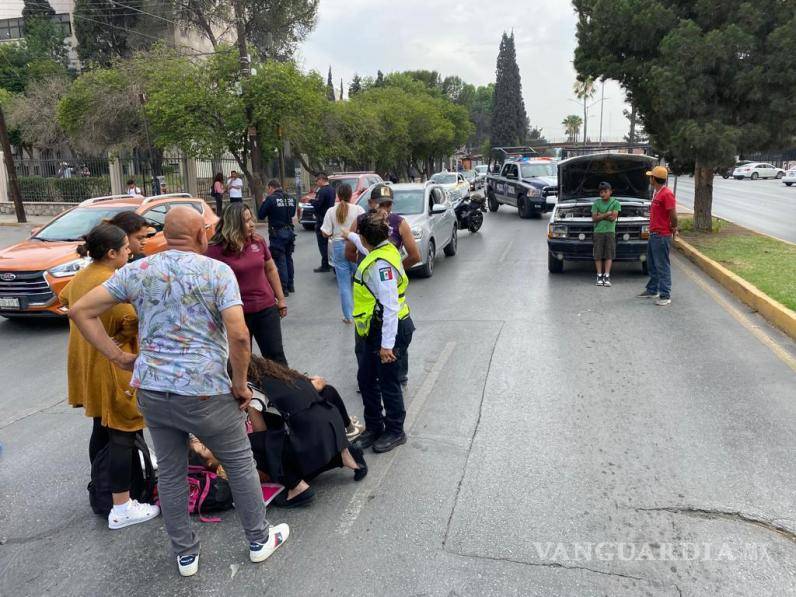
x=345 y=271
x=659 y=267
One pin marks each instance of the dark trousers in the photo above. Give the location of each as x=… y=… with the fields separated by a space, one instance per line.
x=219 y=197
x=282 y=245
x=266 y=327
x=323 y=246
x=380 y=383
x=120 y=453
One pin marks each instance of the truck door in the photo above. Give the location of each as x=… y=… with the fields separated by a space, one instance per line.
x=511 y=174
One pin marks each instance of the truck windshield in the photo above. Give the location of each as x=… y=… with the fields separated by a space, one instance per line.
x=74 y=224
x=534 y=170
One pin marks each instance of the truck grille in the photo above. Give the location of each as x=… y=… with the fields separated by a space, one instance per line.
x=550 y=191
x=575 y=230
x=31 y=287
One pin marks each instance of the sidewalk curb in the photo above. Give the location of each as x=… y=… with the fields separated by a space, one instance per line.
x=774 y=312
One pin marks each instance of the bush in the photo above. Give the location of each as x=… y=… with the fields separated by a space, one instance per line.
x=80 y=188
x=686 y=224
x=36 y=188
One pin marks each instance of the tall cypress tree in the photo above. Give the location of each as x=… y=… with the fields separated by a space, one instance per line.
x=330 y=87
x=509 y=121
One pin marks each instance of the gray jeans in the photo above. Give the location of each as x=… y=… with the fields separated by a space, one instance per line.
x=219 y=424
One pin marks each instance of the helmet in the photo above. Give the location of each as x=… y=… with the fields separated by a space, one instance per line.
x=381 y=193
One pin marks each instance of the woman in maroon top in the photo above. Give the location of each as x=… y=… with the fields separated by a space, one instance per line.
x=236 y=244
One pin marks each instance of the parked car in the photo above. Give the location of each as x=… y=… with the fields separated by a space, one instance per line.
x=430 y=215
x=455 y=184
x=571 y=229
x=529 y=184
x=359 y=181
x=727 y=172
x=755 y=170
x=790 y=176
x=472 y=178
x=33 y=272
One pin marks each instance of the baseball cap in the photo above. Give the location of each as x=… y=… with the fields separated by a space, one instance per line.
x=381 y=193
x=658 y=172
x=604 y=186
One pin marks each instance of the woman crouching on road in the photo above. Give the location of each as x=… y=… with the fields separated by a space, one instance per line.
x=137 y=230
x=236 y=244
x=305 y=438
x=102 y=389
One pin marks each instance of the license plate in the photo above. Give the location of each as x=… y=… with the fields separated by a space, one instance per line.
x=9 y=303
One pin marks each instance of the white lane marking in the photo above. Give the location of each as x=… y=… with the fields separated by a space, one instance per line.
x=506 y=251
x=754 y=329
x=360 y=497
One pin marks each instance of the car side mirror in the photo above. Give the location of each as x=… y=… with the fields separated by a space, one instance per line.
x=438 y=208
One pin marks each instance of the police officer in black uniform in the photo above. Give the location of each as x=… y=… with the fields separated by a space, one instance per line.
x=280 y=209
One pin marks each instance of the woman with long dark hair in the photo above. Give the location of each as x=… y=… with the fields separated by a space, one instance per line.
x=306 y=437
x=236 y=244
x=95 y=384
x=136 y=228
x=217 y=192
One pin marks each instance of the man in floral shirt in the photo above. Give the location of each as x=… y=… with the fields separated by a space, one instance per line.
x=190 y=324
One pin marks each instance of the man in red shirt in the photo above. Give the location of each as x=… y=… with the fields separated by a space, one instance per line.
x=663 y=227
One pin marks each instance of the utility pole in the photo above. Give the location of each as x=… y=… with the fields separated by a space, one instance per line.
x=255 y=151
x=13 y=183
x=602 y=108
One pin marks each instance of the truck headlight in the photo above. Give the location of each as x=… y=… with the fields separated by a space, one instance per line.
x=70 y=268
x=534 y=192
x=645 y=231
x=417 y=233
x=556 y=231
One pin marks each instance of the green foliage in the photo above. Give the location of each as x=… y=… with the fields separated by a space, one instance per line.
x=330 y=87
x=355 y=86
x=75 y=189
x=572 y=124
x=36 y=8
x=509 y=120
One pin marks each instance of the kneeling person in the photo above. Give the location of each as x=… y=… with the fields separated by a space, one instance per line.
x=384 y=331
x=604 y=213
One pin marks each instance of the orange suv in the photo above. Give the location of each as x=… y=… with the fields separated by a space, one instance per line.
x=33 y=272
x=359 y=181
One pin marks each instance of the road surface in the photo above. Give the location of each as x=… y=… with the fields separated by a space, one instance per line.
x=564 y=439
x=766 y=206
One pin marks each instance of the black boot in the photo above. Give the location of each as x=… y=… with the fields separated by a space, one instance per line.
x=389 y=440
x=366 y=439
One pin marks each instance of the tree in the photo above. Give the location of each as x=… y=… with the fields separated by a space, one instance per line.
x=508 y=112
x=355 y=86
x=636 y=134
x=37 y=9
x=273 y=27
x=105 y=31
x=341 y=89
x=572 y=124
x=709 y=79
x=330 y=87
x=34 y=114
x=379 y=79
x=584 y=91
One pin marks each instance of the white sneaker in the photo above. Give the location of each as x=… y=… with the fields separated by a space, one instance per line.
x=600 y=281
x=606 y=280
x=188 y=565
x=259 y=552
x=131 y=513
x=355 y=429
x=662 y=302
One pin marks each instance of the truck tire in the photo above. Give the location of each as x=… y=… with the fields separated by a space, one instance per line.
x=523 y=209
x=492 y=201
x=554 y=265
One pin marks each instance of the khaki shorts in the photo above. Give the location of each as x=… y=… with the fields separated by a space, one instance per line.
x=604 y=245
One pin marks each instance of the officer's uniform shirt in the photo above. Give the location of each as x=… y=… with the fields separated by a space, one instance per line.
x=381 y=278
x=279 y=208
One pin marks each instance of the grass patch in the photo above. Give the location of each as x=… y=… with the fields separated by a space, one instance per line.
x=767 y=263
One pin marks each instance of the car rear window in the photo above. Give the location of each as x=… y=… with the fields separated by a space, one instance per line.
x=74 y=224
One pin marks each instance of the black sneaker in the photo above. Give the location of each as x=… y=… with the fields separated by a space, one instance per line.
x=322 y=269
x=647 y=294
x=388 y=441
x=366 y=439
x=291 y=288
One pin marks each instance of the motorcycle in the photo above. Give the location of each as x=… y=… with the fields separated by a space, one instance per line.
x=469 y=213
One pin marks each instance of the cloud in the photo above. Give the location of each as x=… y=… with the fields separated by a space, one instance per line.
x=460 y=38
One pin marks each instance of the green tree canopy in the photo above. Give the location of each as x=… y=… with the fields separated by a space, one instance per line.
x=709 y=78
x=509 y=120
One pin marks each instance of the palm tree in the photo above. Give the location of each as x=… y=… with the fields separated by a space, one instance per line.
x=572 y=126
x=584 y=91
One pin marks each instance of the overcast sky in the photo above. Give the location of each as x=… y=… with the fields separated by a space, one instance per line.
x=462 y=38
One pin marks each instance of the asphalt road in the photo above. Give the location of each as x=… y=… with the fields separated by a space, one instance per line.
x=564 y=439
x=766 y=206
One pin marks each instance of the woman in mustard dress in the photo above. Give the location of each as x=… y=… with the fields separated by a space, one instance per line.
x=102 y=389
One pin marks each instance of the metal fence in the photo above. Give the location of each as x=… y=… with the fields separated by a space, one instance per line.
x=59 y=180
x=173 y=177
x=206 y=171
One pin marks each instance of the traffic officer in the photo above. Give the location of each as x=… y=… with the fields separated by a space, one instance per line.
x=384 y=331
x=280 y=208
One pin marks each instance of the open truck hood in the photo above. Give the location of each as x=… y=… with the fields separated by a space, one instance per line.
x=579 y=177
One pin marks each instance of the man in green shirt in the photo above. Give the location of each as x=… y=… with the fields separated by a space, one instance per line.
x=604 y=212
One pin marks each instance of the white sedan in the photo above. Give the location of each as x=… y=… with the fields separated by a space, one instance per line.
x=755 y=170
x=790 y=176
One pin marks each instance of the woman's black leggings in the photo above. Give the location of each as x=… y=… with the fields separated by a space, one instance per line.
x=121 y=452
x=266 y=327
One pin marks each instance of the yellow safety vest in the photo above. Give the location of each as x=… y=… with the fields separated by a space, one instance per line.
x=365 y=303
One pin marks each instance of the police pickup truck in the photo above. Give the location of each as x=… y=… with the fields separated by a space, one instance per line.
x=529 y=184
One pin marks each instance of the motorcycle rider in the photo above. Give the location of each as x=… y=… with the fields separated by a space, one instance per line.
x=280 y=209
